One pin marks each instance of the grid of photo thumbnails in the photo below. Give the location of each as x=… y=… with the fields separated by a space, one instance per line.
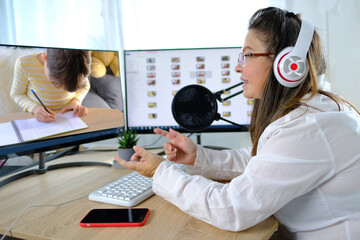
x=200 y=74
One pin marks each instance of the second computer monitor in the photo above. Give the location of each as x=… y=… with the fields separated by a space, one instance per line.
x=153 y=77
x=21 y=70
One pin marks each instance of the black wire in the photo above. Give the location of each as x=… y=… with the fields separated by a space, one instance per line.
x=148 y=146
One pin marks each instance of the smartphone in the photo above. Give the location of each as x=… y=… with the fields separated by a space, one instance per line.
x=115 y=217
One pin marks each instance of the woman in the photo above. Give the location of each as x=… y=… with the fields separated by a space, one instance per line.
x=303 y=167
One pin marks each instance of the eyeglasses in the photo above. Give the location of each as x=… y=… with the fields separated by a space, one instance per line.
x=243 y=56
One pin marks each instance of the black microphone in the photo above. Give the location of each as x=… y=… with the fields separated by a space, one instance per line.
x=194 y=107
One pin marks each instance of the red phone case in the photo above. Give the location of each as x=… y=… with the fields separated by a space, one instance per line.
x=119 y=224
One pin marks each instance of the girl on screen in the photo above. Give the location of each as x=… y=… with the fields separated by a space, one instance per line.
x=304 y=164
x=53 y=80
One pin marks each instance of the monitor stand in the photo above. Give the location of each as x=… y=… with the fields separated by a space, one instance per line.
x=43 y=169
x=198 y=141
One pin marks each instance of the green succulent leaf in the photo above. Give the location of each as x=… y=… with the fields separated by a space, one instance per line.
x=127 y=139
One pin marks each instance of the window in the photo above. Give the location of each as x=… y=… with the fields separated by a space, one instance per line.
x=161 y=24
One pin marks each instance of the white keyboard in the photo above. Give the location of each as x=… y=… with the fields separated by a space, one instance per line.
x=127 y=191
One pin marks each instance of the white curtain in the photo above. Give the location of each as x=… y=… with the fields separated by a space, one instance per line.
x=6 y=22
x=85 y=24
x=129 y=24
x=186 y=23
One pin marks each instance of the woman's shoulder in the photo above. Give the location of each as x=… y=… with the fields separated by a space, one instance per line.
x=310 y=112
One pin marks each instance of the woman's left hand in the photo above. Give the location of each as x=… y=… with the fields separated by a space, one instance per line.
x=142 y=161
x=78 y=109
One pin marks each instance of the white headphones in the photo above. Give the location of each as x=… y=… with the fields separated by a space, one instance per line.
x=290 y=65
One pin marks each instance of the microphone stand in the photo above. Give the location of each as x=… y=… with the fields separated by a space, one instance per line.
x=198 y=138
x=218 y=117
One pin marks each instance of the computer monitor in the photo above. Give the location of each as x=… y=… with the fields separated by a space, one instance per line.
x=105 y=118
x=153 y=77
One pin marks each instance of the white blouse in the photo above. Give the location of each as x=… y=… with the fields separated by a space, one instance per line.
x=306 y=173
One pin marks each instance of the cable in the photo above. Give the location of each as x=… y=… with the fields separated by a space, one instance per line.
x=98 y=150
x=161 y=153
x=31 y=206
x=148 y=146
x=158 y=139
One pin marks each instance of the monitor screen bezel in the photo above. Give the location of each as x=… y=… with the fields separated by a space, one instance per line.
x=145 y=130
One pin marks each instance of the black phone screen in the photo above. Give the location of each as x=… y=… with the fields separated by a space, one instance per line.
x=122 y=215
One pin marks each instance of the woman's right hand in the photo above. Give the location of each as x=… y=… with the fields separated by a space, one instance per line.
x=180 y=149
x=42 y=115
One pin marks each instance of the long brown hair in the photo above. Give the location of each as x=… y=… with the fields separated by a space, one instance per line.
x=279 y=29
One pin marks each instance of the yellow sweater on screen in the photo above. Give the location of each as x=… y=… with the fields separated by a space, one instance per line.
x=29 y=74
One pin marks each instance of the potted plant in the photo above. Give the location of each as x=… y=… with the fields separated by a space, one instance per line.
x=127 y=139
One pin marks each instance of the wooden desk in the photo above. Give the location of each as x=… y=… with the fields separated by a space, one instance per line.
x=165 y=220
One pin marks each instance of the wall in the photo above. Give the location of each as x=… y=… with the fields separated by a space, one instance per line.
x=7 y=62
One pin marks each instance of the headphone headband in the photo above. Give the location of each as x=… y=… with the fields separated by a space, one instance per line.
x=290 y=65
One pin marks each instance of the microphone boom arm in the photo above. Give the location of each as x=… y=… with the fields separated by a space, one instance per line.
x=218 y=93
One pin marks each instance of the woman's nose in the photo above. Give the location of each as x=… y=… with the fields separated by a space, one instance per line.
x=238 y=68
